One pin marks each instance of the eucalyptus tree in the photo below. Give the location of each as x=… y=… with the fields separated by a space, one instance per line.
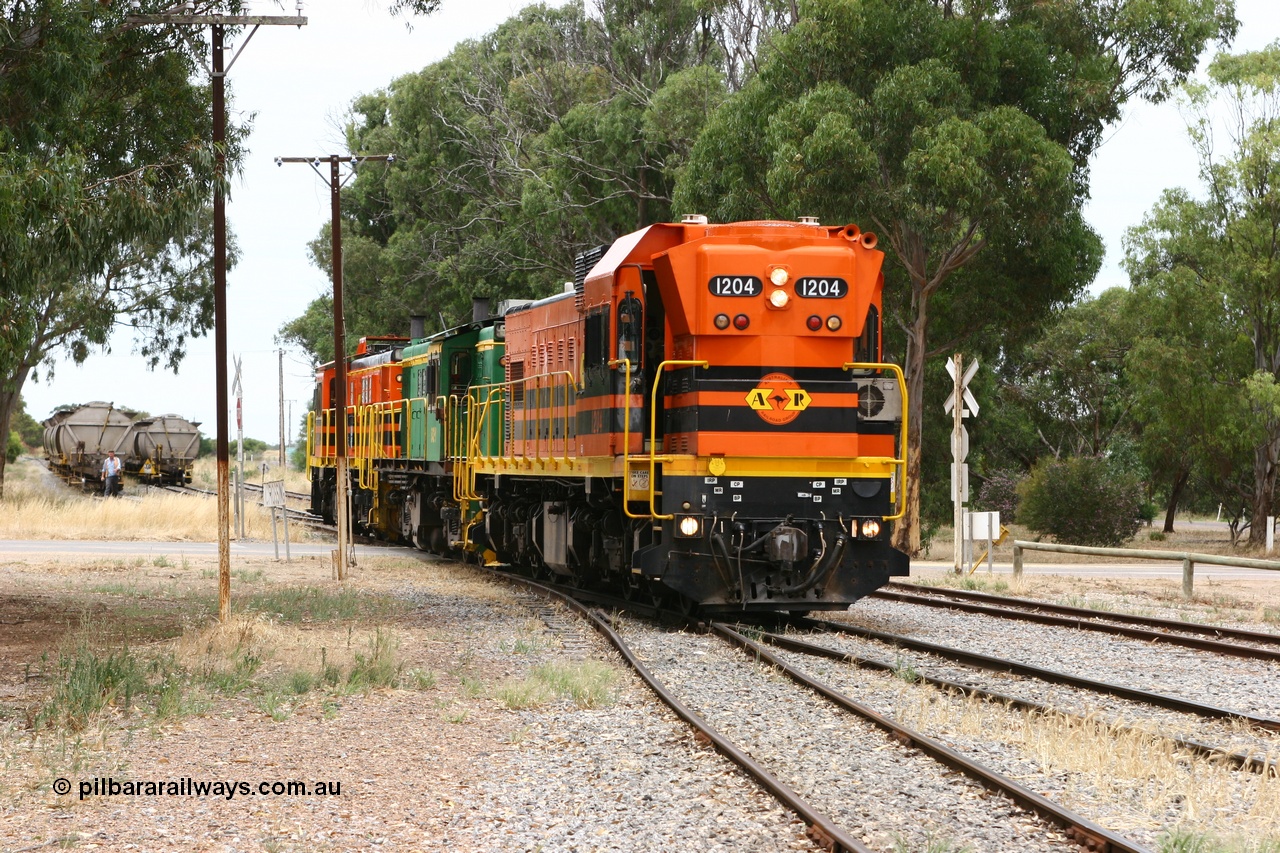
x=1071 y=379
x=1224 y=248
x=559 y=130
x=106 y=171
x=961 y=133
x=1184 y=368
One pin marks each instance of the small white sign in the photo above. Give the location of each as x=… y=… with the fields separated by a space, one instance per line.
x=984 y=525
x=273 y=493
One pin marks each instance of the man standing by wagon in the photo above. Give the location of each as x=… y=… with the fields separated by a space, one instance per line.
x=110 y=474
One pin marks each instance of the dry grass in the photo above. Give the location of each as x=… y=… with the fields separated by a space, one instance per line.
x=38 y=506
x=1155 y=785
x=204 y=474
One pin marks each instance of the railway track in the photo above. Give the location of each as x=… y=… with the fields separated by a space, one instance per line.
x=1257 y=762
x=1228 y=641
x=840 y=813
x=300 y=516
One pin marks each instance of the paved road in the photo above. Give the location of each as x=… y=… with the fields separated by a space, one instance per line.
x=27 y=548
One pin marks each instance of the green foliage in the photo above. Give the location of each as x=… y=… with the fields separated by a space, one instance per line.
x=28 y=428
x=14 y=449
x=999 y=493
x=315 y=604
x=1083 y=500
x=587 y=684
x=1206 y=268
x=378 y=667
x=961 y=134
x=251 y=446
x=554 y=133
x=106 y=173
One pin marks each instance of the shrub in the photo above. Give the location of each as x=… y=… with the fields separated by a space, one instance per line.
x=1083 y=501
x=999 y=493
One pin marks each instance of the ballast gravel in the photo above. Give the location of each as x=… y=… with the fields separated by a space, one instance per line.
x=891 y=796
x=1237 y=684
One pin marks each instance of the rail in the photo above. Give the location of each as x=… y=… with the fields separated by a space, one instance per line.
x=1187 y=559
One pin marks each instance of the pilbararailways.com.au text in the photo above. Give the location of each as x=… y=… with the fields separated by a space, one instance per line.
x=188 y=787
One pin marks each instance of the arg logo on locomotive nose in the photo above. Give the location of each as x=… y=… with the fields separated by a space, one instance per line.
x=778 y=399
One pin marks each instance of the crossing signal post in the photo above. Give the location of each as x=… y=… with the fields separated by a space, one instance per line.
x=960 y=404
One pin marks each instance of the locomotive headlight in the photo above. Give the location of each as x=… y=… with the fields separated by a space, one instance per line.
x=870 y=528
x=689 y=526
x=779 y=276
x=779 y=299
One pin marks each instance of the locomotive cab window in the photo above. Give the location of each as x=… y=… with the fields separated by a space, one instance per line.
x=597 y=339
x=428 y=381
x=867 y=345
x=459 y=373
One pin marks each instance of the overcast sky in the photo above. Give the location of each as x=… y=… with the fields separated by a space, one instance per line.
x=300 y=83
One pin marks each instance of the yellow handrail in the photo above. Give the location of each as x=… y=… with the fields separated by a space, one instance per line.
x=899 y=461
x=626 y=437
x=653 y=429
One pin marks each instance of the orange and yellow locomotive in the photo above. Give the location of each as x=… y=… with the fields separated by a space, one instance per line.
x=703 y=415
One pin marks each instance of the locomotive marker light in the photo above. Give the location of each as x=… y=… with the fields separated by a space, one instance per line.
x=833 y=323
x=184 y=14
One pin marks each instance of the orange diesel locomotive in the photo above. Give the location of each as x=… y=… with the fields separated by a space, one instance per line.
x=704 y=416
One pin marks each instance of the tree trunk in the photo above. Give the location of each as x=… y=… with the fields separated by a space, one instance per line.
x=11 y=391
x=1264 y=490
x=906 y=532
x=1175 y=494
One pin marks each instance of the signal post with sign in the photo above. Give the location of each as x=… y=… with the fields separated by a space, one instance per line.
x=960 y=404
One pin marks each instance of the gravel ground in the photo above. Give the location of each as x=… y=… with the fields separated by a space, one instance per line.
x=889 y=796
x=1133 y=784
x=444 y=768
x=450 y=767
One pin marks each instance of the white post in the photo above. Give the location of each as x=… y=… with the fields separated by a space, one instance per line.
x=1271 y=532
x=956 y=426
